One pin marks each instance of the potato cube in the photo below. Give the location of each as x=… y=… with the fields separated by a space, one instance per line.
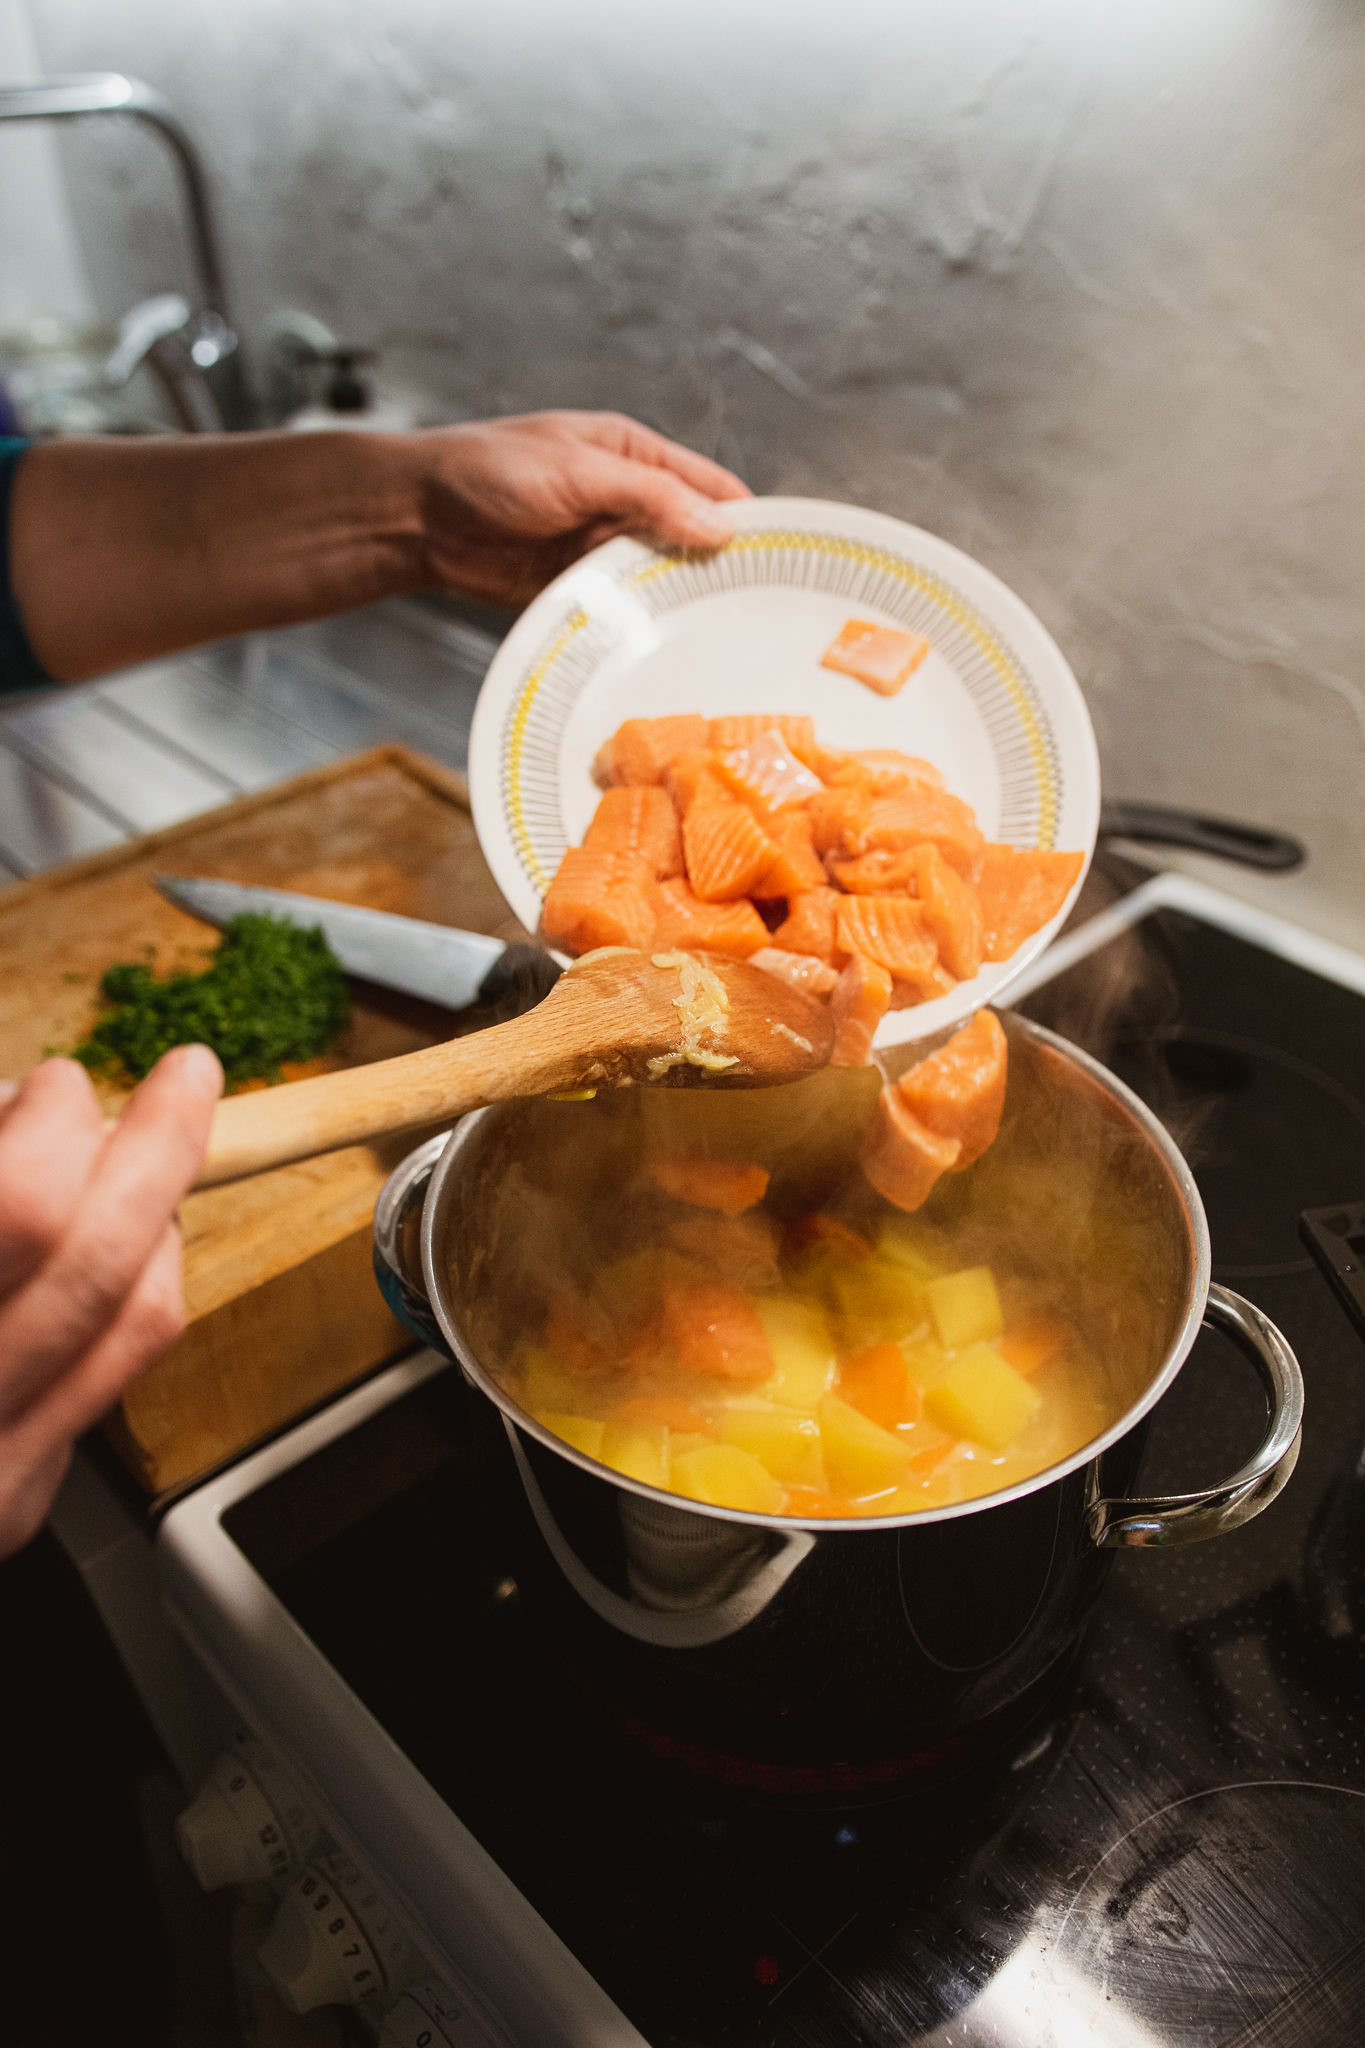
x=860 y=1456
x=965 y=1307
x=982 y=1398
x=637 y=1449
x=899 y=1244
x=545 y=1383
x=787 y=1443
x=803 y=1352
x=579 y=1430
x=725 y=1476
x=878 y=1299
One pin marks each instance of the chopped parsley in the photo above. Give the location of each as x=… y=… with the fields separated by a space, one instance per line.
x=273 y=992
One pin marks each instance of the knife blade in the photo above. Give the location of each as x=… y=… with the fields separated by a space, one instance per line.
x=434 y=961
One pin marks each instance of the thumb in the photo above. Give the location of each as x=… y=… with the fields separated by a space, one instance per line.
x=651 y=500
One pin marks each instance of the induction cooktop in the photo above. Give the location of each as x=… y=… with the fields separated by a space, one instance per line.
x=1174 y=1857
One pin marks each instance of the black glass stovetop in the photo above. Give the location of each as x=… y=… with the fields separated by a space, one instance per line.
x=1174 y=1859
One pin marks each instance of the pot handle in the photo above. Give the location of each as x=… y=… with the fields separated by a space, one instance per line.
x=1193 y=1517
x=1250 y=845
x=397 y=1221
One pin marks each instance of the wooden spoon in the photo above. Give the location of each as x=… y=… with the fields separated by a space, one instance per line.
x=615 y=1017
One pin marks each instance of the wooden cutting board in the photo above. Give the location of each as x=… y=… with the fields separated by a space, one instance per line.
x=281 y=1301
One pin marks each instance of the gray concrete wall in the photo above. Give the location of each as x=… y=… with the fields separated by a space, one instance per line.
x=1076 y=283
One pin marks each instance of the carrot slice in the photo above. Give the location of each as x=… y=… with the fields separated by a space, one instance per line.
x=726 y=850
x=1020 y=889
x=959 y=1091
x=640 y=750
x=600 y=899
x=1029 y=1346
x=901 y=1156
x=742 y=728
x=798 y=970
x=891 y=929
x=640 y=821
x=878 y=1384
x=710 y=1183
x=952 y=911
x=767 y=774
x=858 y=1003
x=690 y=776
x=930 y=1459
x=818 y=1232
x=682 y=919
x=883 y=657
x=817 y=1504
x=716 y=1334
x=883 y=873
x=809 y=924
x=794 y=864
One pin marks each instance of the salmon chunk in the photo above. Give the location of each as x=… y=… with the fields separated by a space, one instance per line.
x=640 y=750
x=639 y=821
x=743 y=728
x=880 y=770
x=725 y=848
x=600 y=899
x=883 y=657
x=690 y=777
x=710 y=1183
x=839 y=820
x=952 y=911
x=798 y=970
x=886 y=872
x=716 y=1333
x=1020 y=889
x=901 y=1156
x=911 y=817
x=767 y=774
x=858 y=1003
x=794 y=865
x=891 y=929
x=958 y=1092
x=809 y=923
x=682 y=919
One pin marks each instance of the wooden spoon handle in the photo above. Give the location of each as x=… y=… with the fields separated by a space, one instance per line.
x=273 y=1126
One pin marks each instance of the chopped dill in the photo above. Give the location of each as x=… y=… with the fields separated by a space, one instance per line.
x=272 y=992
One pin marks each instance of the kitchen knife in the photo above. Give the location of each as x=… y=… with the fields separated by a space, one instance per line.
x=434 y=961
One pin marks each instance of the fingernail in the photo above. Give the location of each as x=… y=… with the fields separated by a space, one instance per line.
x=711 y=526
x=199 y=1069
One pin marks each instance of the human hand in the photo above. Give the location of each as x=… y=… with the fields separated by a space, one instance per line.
x=507 y=504
x=89 y=1257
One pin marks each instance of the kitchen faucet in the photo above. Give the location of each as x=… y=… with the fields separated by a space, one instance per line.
x=194 y=354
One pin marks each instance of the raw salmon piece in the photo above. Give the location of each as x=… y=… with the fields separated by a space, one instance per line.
x=740 y=1250
x=883 y=657
x=905 y=995
x=726 y=850
x=912 y=816
x=798 y=970
x=705 y=1183
x=839 y=820
x=901 y=1156
x=716 y=1334
x=682 y=919
x=858 y=1004
x=809 y=924
x=883 y=873
x=1020 y=889
x=881 y=770
x=794 y=864
x=891 y=929
x=952 y=910
x=767 y=774
x=959 y=1091
x=639 y=821
x=743 y=728
x=600 y=899
x=818 y=1232
x=691 y=777
x=640 y=750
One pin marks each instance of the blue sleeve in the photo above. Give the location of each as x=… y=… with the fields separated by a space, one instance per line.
x=20 y=667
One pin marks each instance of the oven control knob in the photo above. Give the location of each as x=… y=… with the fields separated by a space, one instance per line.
x=331 y=1941
x=433 y=2015
x=246 y=1824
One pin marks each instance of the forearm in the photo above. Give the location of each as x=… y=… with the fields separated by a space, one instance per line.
x=123 y=550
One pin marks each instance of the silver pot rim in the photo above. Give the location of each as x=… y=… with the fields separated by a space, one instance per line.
x=432 y=1238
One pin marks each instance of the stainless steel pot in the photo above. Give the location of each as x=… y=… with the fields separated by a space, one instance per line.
x=843 y=1654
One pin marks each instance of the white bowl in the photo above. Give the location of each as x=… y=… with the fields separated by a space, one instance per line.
x=630 y=632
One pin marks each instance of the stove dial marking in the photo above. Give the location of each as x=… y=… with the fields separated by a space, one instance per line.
x=433 y=2015
x=234 y=1832
x=331 y=1942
